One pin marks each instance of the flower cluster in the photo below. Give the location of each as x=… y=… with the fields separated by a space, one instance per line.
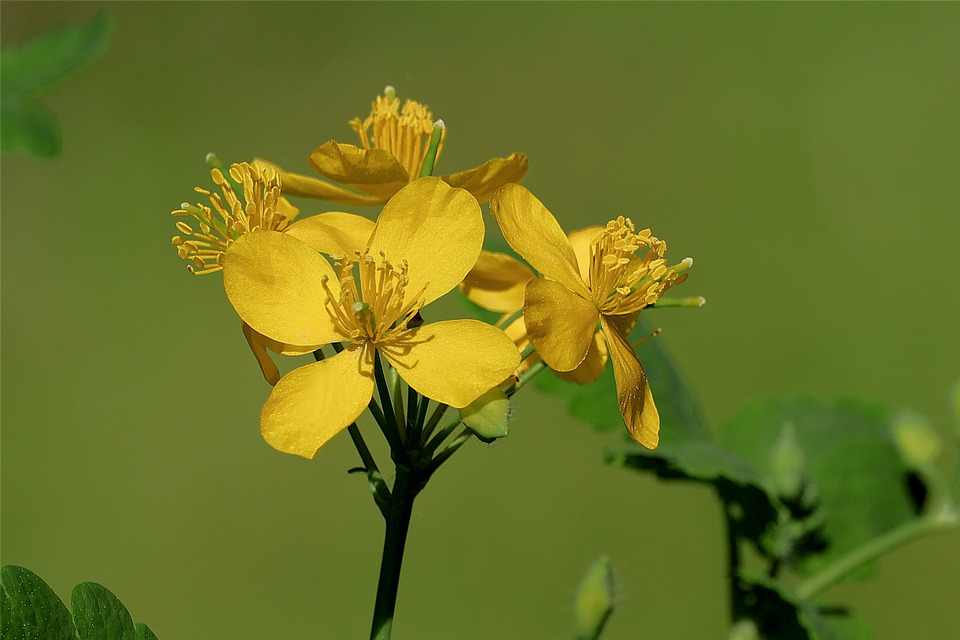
x=361 y=285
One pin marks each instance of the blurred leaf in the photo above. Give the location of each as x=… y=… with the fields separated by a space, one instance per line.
x=31 y=610
x=31 y=125
x=853 y=467
x=595 y=599
x=53 y=57
x=99 y=615
x=681 y=418
x=41 y=64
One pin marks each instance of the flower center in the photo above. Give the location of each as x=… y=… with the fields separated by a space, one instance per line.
x=404 y=133
x=259 y=208
x=378 y=310
x=627 y=269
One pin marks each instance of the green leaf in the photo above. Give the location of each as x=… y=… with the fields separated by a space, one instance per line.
x=681 y=418
x=41 y=64
x=853 y=469
x=99 y=615
x=31 y=125
x=51 y=58
x=488 y=416
x=144 y=632
x=31 y=610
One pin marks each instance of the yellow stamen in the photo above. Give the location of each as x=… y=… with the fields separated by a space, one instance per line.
x=259 y=209
x=624 y=280
x=403 y=132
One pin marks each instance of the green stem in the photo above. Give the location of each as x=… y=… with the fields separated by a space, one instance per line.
x=390 y=430
x=405 y=489
x=444 y=455
x=433 y=422
x=872 y=550
x=737 y=610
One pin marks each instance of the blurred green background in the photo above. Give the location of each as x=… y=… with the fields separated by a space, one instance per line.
x=807 y=156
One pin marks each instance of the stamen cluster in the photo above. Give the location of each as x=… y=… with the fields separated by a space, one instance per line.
x=259 y=208
x=404 y=133
x=622 y=281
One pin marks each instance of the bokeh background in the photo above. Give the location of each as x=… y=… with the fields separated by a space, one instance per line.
x=807 y=156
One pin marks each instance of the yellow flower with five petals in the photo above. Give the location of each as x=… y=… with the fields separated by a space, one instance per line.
x=563 y=306
x=393 y=145
x=426 y=239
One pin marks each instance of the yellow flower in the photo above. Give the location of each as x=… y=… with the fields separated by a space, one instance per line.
x=625 y=272
x=426 y=239
x=393 y=144
x=262 y=207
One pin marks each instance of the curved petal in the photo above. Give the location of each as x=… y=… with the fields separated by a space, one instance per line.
x=372 y=171
x=496 y=282
x=313 y=403
x=437 y=229
x=295 y=184
x=592 y=366
x=453 y=362
x=334 y=233
x=256 y=342
x=517 y=331
x=580 y=240
x=482 y=181
x=274 y=282
x=534 y=233
x=559 y=322
x=633 y=391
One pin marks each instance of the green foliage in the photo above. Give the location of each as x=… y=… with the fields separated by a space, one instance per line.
x=32 y=611
x=30 y=70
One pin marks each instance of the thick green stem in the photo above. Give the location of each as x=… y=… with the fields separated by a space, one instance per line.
x=405 y=490
x=872 y=550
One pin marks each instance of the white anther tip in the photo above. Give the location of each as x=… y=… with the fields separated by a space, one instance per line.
x=389 y=89
x=702 y=301
x=687 y=262
x=440 y=123
x=184 y=205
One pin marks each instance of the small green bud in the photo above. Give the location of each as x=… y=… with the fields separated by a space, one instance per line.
x=595 y=598
x=488 y=416
x=918 y=442
x=787 y=462
x=213 y=161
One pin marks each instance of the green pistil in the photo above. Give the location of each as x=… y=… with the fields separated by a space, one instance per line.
x=429 y=160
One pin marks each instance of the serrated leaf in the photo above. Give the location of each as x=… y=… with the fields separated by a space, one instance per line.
x=31 y=610
x=852 y=466
x=51 y=58
x=29 y=125
x=99 y=615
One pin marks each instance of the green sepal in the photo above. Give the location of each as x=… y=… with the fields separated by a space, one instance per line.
x=31 y=610
x=488 y=416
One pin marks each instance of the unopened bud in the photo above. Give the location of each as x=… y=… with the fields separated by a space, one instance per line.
x=595 y=598
x=488 y=416
x=918 y=442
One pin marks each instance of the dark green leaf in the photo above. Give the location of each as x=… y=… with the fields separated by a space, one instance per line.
x=853 y=471
x=31 y=125
x=31 y=610
x=99 y=615
x=144 y=632
x=50 y=59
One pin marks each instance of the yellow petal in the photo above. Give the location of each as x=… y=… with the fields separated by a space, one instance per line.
x=295 y=184
x=534 y=233
x=334 y=233
x=580 y=240
x=633 y=392
x=482 y=181
x=559 y=322
x=496 y=282
x=592 y=366
x=313 y=403
x=372 y=171
x=256 y=342
x=517 y=331
x=453 y=362
x=274 y=282
x=437 y=229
